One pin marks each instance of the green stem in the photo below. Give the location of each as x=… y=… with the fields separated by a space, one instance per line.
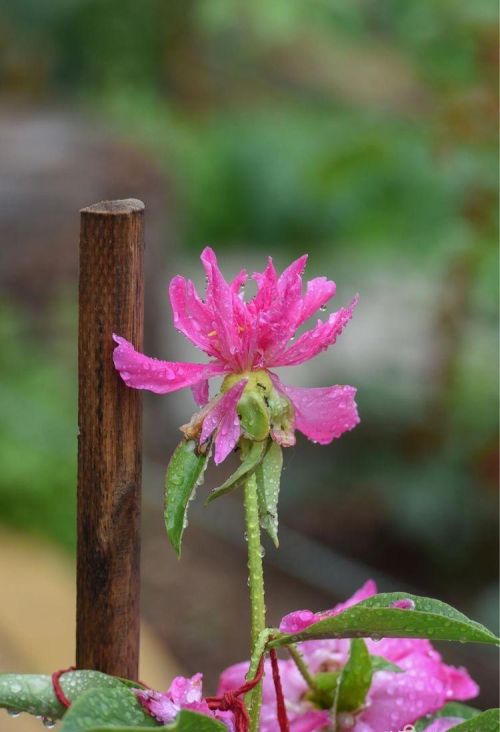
x=256 y=585
x=298 y=659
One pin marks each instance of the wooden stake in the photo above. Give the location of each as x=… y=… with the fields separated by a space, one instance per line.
x=109 y=443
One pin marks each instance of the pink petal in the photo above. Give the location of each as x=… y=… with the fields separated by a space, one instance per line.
x=296 y=621
x=279 y=321
x=404 y=604
x=200 y=393
x=266 y=287
x=426 y=685
x=221 y=404
x=191 y=316
x=158 y=705
x=186 y=690
x=239 y=281
x=397 y=699
x=322 y=413
x=310 y=721
x=300 y=619
x=458 y=684
x=319 y=291
x=224 y=418
x=365 y=591
x=222 y=301
x=313 y=341
x=443 y=724
x=142 y=372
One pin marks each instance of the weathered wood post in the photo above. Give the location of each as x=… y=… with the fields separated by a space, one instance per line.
x=109 y=443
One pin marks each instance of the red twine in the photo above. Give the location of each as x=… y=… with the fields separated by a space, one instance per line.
x=231 y=702
x=60 y=695
x=280 y=699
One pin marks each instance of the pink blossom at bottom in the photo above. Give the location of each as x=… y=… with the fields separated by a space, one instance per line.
x=394 y=701
x=183 y=693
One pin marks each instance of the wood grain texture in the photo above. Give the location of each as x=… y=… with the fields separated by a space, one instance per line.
x=111 y=298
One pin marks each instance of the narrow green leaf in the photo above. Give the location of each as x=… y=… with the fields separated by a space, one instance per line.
x=100 y=708
x=184 y=473
x=452 y=709
x=376 y=617
x=355 y=678
x=486 y=722
x=35 y=694
x=382 y=664
x=246 y=467
x=268 y=474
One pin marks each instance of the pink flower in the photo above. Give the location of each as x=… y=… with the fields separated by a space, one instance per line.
x=394 y=700
x=243 y=340
x=183 y=693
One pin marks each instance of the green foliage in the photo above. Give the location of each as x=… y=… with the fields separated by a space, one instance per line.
x=184 y=473
x=35 y=693
x=268 y=475
x=452 y=709
x=375 y=617
x=115 y=706
x=356 y=678
x=37 y=426
x=191 y=722
x=254 y=455
x=486 y=722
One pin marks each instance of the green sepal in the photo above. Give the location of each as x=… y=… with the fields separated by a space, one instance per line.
x=34 y=694
x=184 y=473
x=325 y=689
x=268 y=475
x=376 y=616
x=379 y=663
x=112 y=707
x=254 y=415
x=355 y=679
x=247 y=466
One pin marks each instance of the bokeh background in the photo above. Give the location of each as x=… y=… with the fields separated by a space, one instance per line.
x=363 y=133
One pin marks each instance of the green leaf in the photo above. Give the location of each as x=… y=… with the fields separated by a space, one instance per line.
x=382 y=664
x=247 y=466
x=355 y=678
x=452 y=709
x=35 y=694
x=486 y=722
x=268 y=476
x=376 y=617
x=113 y=707
x=186 y=721
x=184 y=473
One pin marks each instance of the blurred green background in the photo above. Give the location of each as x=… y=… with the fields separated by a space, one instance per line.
x=362 y=132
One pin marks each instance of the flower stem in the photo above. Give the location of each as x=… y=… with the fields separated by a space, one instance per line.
x=256 y=585
x=303 y=668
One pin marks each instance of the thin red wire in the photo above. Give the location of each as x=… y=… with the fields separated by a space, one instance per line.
x=280 y=699
x=60 y=695
x=230 y=701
